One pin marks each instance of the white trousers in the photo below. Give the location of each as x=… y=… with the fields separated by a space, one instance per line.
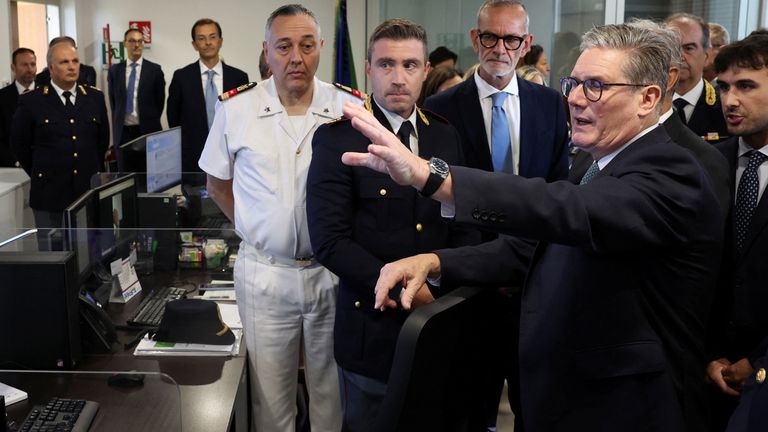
x=278 y=304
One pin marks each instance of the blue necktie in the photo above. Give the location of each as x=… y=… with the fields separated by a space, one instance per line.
x=210 y=98
x=746 y=196
x=590 y=174
x=131 y=89
x=501 y=151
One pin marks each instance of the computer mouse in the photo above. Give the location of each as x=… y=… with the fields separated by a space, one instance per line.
x=126 y=380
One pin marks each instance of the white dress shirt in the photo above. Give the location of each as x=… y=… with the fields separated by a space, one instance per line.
x=218 y=78
x=59 y=92
x=395 y=121
x=692 y=97
x=511 y=109
x=21 y=89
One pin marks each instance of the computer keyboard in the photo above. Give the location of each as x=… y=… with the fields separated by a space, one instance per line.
x=60 y=415
x=151 y=310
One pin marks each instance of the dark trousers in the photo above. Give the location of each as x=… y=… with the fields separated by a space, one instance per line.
x=361 y=398
x=48 y=236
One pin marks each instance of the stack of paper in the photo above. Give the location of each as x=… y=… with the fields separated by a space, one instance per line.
x=149 y=347
x=12 y=395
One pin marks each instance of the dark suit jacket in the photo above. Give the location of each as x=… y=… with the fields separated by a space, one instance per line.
x=60 y=149
x=186 y=108
x=710 y=159
x=708 y=119
x=543 y=133
x=9 y=97
x=751 y=415
x=741 y=320
x=614 y=306
x=360 y=220
x=150 y=98
x=87 y=76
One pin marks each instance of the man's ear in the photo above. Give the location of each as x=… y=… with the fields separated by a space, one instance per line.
x=651 y=98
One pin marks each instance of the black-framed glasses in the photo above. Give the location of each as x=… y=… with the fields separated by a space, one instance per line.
x=511 y=42
x=593 y=89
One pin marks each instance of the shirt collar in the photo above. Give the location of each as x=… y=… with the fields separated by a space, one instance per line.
x=693 y=95
x=20 y=88
x=664 y=117
x=204 y=69
x=138 y=62
x=745 y=148
x=485 y=90
x=395 y=120
x=60 y=90
x=605 y=160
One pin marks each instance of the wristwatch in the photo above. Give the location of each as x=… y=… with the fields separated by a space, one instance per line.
x=438 y=172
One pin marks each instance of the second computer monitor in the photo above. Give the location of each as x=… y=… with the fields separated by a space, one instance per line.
x=158 y=154
x=117 y=214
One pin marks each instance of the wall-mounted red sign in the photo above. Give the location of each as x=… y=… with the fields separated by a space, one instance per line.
x=145 y=27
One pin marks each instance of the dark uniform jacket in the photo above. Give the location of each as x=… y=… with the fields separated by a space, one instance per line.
x=619 y=289
x=150 y=99
x=360 y=220
x=186 y=108
x=60 y=148
x=707 y=119
x=9 y=98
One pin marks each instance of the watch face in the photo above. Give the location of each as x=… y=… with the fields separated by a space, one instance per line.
x=439 y=167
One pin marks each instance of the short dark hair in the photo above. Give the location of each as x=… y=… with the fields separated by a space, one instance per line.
x=125 y=35
x=62 y=39
x=763 y=31
x=441 y=54
x=703 y=24
x=398 y=29
x=291 y=10
x=750 y=52
x=20 y=51
x=202 y=22
x=532 y=56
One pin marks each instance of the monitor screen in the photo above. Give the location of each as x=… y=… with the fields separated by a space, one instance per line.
x=163 y=159
x=132 y=157
x=116 y=214
x=79 y=217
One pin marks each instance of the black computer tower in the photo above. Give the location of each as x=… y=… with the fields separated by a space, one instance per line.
x=39 y=312
x=158 y=212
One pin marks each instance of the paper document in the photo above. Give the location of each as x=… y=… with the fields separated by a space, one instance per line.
x=12 y=394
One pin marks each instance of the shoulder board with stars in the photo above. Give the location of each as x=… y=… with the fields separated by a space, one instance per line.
x=236 y=91
x=711 y=95
x=354 y=92
x=82 y=89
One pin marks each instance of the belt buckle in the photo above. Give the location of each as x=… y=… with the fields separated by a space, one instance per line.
x=304 y=261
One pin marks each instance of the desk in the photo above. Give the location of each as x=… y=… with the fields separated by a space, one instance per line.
x=212 y=389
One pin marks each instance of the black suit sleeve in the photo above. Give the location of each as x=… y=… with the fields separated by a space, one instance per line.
x=22 y=135
x=559 y=168
x=330 y=204
x=103 y=134
x=174 y=110
x=111 y=87
x=159 y=90
x=500 y=262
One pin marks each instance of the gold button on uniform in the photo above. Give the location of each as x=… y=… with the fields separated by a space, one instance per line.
x=419 y=227
x=39 y=175
x=760 y=375
x=74 y=138
x=71 y=121
x=357 y=304
x=46 y=121
x=74 y=172
x=74 y=155
x=382 y=192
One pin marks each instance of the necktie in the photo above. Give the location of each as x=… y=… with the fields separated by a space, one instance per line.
x=26 y=90
x=679 y=104
x=210 y=98
x=405 y=133
x=67 y=101
x=590 y=174
x=131 y=89
x=746 y=196
x=501 y=153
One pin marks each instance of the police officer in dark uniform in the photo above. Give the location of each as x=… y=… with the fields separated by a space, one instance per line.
x=60 y=133
x=360 y=220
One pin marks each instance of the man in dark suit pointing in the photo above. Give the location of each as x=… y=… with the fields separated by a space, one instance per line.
x=193 y=92
x=136 y=93
x=617 y=295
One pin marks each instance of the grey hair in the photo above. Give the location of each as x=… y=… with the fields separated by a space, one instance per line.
x=670 y=37
x=647 y=60
x=290 y=10
x=503 y=3
x=718 y=35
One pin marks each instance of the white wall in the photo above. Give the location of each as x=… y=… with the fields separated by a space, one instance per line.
x=5 y=42
x=242 y=26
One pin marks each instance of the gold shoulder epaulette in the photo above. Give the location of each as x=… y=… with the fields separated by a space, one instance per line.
x=354 y=92
x=711 y=96
x=423 y=112
x=235 y=91
x=94 y=87
x=82 y=89
x=45 y=90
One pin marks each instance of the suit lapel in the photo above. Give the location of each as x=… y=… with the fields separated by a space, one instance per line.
x=581 y=162
x=474 y=124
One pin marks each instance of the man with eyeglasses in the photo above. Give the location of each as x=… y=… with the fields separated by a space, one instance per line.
x=136 y=93
x=696 y=100
x=193 y=92
x=614 y=304
x=506 y=124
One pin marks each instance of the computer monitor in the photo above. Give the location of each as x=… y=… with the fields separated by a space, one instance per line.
x=158 y=154
x=117 y=219
x=79 y=219
x=163 y=159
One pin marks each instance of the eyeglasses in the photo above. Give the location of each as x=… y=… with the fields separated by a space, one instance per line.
x=511 y=42
x=593 y=89
x=134 y=41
